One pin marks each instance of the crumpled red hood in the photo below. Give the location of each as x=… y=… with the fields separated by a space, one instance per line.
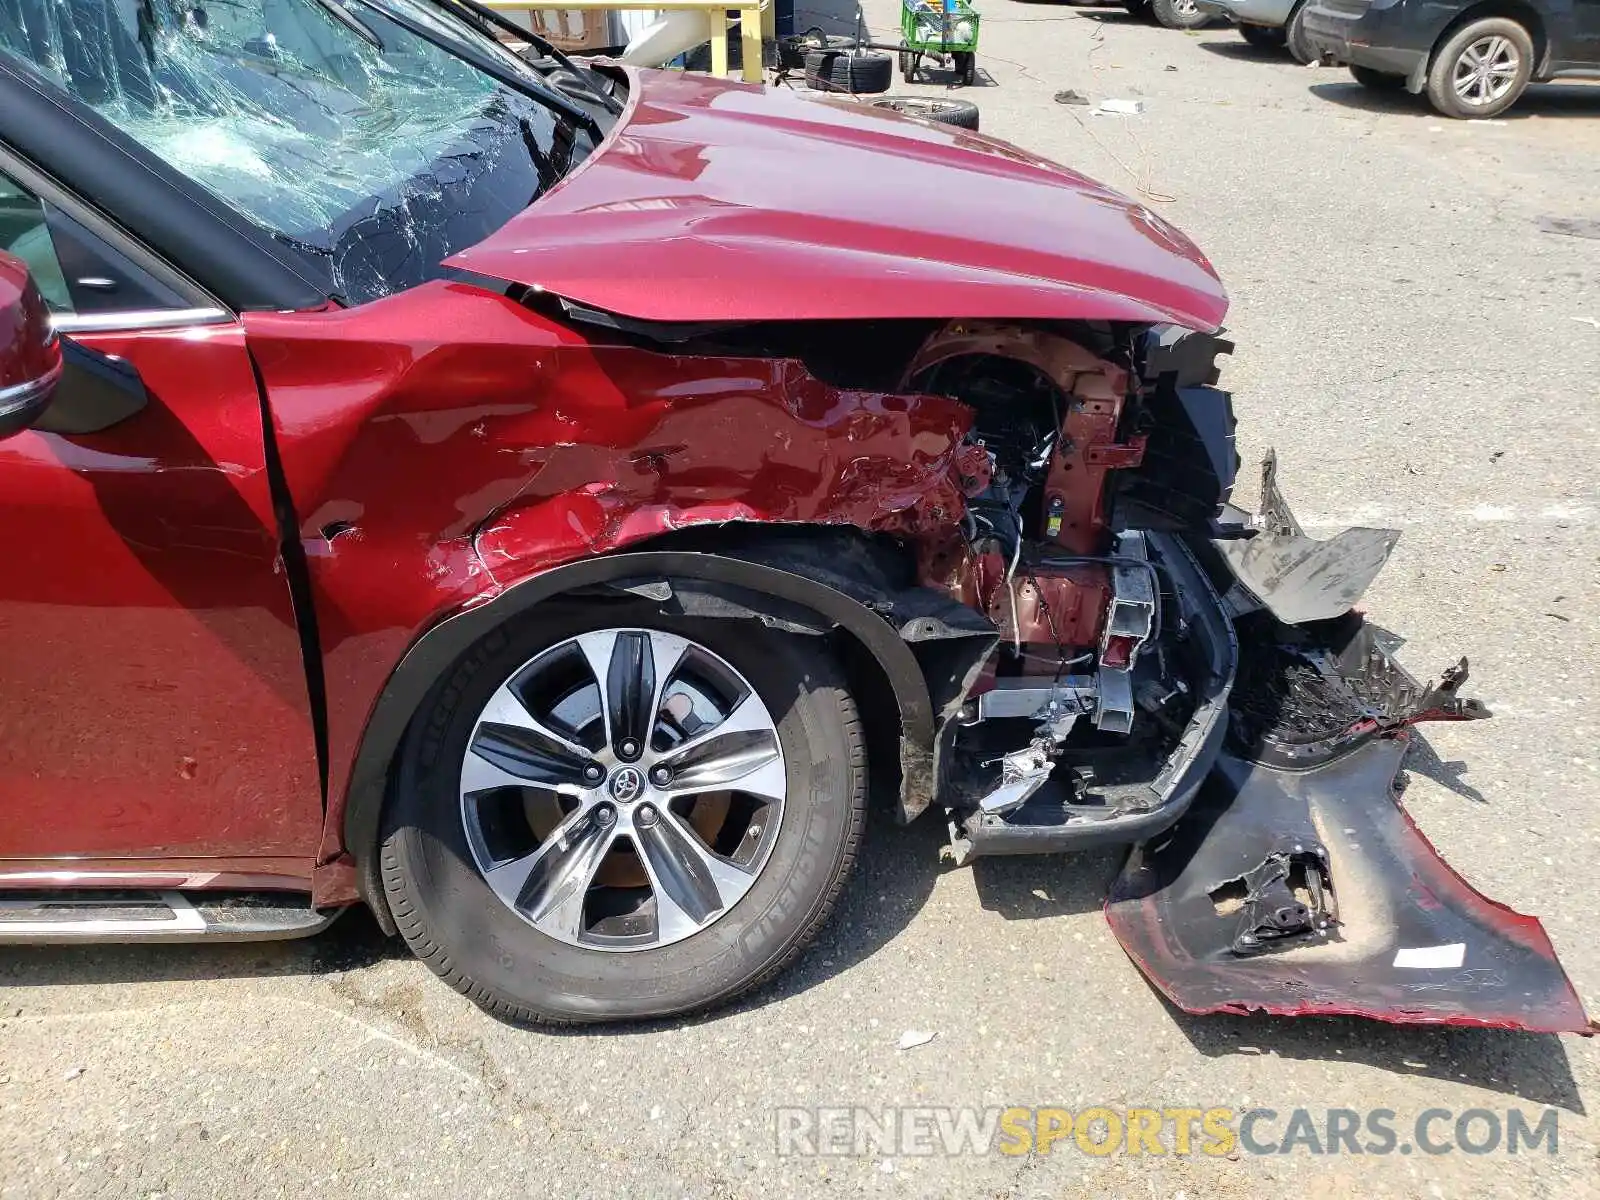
x=717 y=201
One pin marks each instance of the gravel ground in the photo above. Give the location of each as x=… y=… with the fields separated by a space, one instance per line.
x=1421 y=353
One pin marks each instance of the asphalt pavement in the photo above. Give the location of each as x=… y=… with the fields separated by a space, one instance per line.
x=1423 y=351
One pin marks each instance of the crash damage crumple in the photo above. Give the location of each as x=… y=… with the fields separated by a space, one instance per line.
x=717 y=201
x=447 y=443
x=1296 y=884
x=1220 y=917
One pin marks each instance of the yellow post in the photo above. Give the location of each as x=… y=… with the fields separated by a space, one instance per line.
x=758 y=20
x=719 y=44
x=750 y=40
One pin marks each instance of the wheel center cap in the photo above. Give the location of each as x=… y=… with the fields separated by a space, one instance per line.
x=627 y=784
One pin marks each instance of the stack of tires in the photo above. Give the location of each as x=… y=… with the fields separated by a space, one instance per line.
x=855 y=72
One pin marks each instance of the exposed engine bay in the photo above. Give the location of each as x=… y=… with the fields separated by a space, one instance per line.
x=1114 y=661
x=1174 y=672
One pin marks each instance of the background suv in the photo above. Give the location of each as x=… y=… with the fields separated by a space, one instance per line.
x=1473 y=59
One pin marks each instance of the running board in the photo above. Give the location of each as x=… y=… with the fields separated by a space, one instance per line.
x=90 y=915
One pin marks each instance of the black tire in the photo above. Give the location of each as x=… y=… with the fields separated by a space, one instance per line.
x=1294 y=36
x=1264 y=37
x=865 y=72
x=966 y=67
x=1378 y=81
x=1442 y=70
x=960 y=113
x=908 y=63
x=454 y=922
x=1178 y=14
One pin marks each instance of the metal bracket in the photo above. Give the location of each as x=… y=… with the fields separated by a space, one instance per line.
x=1116 y=455
x=1022 y=773
x=1130 y=623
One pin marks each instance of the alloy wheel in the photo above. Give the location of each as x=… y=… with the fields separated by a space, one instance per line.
x=623 y=789
x=1486 y=70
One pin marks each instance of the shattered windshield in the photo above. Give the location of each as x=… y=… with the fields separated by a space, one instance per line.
x=370 y=151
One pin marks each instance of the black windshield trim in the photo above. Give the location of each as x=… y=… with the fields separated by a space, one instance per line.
x=544 y=46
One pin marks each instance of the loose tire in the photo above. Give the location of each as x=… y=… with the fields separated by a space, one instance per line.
x=1378 y=81
x=1294 y=36
x=960 y=113
x=864 y=72
x=1178 y=14
x=1264 y=37
x=528 y=901
x=1481 y=70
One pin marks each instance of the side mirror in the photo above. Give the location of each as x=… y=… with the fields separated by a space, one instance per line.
x=30 y=353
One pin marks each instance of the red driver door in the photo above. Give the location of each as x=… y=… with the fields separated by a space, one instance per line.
x=153 y=701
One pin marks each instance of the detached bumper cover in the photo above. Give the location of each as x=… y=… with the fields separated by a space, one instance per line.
x=1295 y=883
x=1310 y=892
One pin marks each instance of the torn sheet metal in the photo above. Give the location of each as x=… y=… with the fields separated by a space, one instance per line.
x=1390 y=932
x=1299 y=578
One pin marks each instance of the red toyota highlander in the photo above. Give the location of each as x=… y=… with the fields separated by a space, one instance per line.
x=521 y=497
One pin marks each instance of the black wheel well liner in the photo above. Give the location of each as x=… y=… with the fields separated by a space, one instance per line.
x=734 y=584
x=1519 y=11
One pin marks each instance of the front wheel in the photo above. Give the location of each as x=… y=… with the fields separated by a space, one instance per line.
x=966 y=67
x=614 y=813
x=1178 y=14
x=1482 y=70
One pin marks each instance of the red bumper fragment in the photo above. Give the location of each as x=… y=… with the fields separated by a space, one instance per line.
x=1312 y=893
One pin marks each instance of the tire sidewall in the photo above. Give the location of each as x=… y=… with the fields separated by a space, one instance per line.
x=427 y=860
x=958 y=114
x=1441 y=92
x=1294 y=37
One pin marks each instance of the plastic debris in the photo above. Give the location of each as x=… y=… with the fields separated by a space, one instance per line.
x=1068 y=96
x=1131 y=108
x=912 y=1038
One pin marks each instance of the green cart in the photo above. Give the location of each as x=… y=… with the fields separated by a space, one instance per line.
x=943 y=30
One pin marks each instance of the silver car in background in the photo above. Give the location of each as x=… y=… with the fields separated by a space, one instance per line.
x=1265 y=24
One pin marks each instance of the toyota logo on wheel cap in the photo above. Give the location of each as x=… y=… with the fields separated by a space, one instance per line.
x=626 y=785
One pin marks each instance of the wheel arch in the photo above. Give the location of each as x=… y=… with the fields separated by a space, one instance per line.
x=911 y=644
x=1519 y=11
